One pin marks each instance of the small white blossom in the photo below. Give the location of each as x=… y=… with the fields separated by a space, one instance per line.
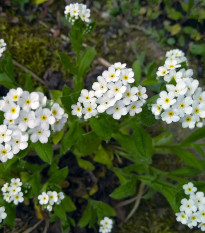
x=3 y=214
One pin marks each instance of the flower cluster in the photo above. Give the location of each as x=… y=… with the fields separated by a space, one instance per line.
x=76 y=11
x=2 y=46
x=47 y=200
x=26 y=115
x=174 y=58
x=193 y=209
x=106 y=225
x=13 y=192
x=3 y=214
x=112 y=94
x=182 y=100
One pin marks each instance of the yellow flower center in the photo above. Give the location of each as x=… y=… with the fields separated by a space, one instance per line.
x=39 y=132
x=54 y=112
x=182 y=105
x=164 y=72
x=44 y=118
x=125 y=77
x=13 y=110
x=89 y=109
x=196 y=110
x=139 y=93
x=170 y=113
x=112 y=76
x=117 y=108
x=128 y=94
x=15 y=97
x=171 y=66
x=3 y=152
x=25 y=119
x=188 y=119
x=116 y=89
x=3 y=134
x=78 y=109
x=134 y=106
x=28 y=102
x=167 y=100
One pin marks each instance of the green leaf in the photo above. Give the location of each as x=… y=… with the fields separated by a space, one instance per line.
x=190 y=159
x=6 y=81
x=55 y=95
x=195 y=136
x=163 y=139
x=86 y=61
x=102 y=209
x=28 y=83
x=57 y=137
x=143 y=143
x=11 y=215
x=71 y=137
x=76 y=37
x=85 y=164
x=125 y=190
x=137 y=71
x=185 y=172
x=68 y=100
x=104 y=157
x=102 y=127
x=35 y=183
x=45 y=151
x=87 y=214
x=198 y=49
x=146 y=116
x=8 y=66
x=58 y=176
x=65 y=59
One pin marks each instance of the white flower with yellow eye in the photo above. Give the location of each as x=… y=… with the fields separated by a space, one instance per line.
x=44 y=117
x=178 y=90
x=119 y=65
x=27 y=120
x=5 y=187
x=19 y=141
x=134 y=108
x=111 y=75
x=7 y=197
x=39 y=134
x=13 y=190
x=166 y=99
x=53 y=197
x=60 y=196
x=85 y=15
x=5 y=153
x=202 y=226
x=199 y=95
x=5 y=134
x=16 y=182
x=162 y=71
x=170 y=115
x=104 y=103
x=76 y=109
x=199 y=199
x=86 y=96
x=57 y=111
x=126 y=76
x=188 y=206
x=156 y=109
x=11 y=111
x=116 y=90
x=43 y=198
x=58 y=125
x=99 y=87
x=89 y=110
x=29 y=101
x=130 y=95
x=182 y=217
x=193 y=220
x=142 y=94
x=192 y=85
x=171 y=64
x=189 y=121
x=183 y=105
x=198 y=110
x=18 y=198
x=117 y=110
x=14 y=94
x=189 y=188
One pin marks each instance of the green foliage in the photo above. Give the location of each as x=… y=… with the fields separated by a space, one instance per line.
x=44 y=151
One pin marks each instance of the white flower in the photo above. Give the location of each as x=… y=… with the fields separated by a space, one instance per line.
x=104 y=103
x=7 y=197
x=86 y=96
x=107 y=223
x=166 y=99
x=42 y=99
x=27 y=120
x=3 y=214
x=126 y=76
x=202 y=215
x=76 y=109
x=53 y=198
x=183 y=105
x=5 y=187
x=103 y=230
x=89 y=110
x=45 y=118
x=58 y=125
x=189 y=188
x=11 y=111
x=187 y=73
x=130 y=95
x=198 y=109
x=182 y=217
x=191 y=85
x=57 y=111
x=100 y=87
x=188 y=206
x=111 y=75
x=142 y=93
x=117 y=110
x=29 y=100
x=199 y=199
x=116 y=90
x=134 y=108
x=14 y=94
x=19 y=141
x=170 y=115
x=49 y=208
x=39 y=134
x=162 y=71
x=202 y=226
x=178 y=90
x=15 y=182
x=193 y=220
x=5 y=134
x=60 y=196
x=171 y=64
x=173 y=74
x=5 y=153
x=199 y=95
x=119 y=65
x=189 y=121
x=43 y=198
x=13 y=190
x=156 y=109
x=18 y=198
